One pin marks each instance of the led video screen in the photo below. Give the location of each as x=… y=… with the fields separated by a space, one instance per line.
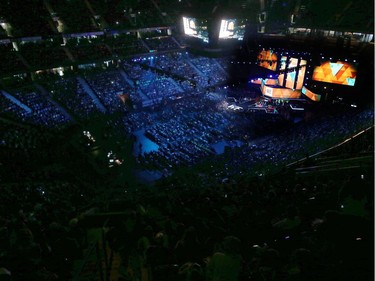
x=336 y=72
x=291 y=73
x=232 y=29
x=265 y=81
x=267 y=59
x=311 y=95
x=301 y=74
x=280 y=93
x=294 y=70
x=195 y=28
x=282 y=69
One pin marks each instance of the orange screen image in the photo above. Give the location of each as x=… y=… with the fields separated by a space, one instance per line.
x=298 y=72
x=311 y=95
x=301 y=74
x=338 y=73
x=265 y=81
x=281 y=93
x=267 y=59
x=291 y=76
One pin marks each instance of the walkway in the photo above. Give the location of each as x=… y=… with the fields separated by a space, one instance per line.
x=45 y=93
x=90 y=92
x=16 y=101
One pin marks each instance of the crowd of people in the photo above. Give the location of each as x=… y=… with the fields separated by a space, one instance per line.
x=162 y=43
x=185 y=133
x=38 y=196
x=144 y=82
x=36 y=109
x=193 y=72
x=248 y=223
x=276 y=204
x=44 y=111
x=282 y=226
x=154 y=86
x=109 y=86
x=75 y=50
x=297 y=142
x=71 y=94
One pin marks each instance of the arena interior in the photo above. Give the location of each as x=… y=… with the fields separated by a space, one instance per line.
x=186 y=140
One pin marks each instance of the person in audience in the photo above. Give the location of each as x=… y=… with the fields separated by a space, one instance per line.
x=226 y=262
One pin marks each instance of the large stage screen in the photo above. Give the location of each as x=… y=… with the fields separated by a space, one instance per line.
x=195 y=28
x=301 y=74
x=291 y=73
x=311 y=95
x=282 y=70
x=232 y=29
x=338 y=72
x=279 y=93
x=293 y=69
x=267 y=59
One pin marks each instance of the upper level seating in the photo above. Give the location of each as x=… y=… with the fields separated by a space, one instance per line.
x=26 y=19
x=171 y=10
x=41 y=55
x=112 y=13
x=90 y=52
x=360 y=14
x=10 y=62
x=74 y=14
x=161 y=43
x=3 y=34
x=144 y=14
x=124 y=45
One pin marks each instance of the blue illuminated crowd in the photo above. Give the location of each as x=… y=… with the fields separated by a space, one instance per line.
x=122 y=159
x=226 y=216
x=186 y=130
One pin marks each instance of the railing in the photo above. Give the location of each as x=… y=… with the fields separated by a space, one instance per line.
x=78 y=274
x=97 y=254
x=328 y=149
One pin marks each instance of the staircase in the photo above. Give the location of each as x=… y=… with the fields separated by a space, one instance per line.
x=221 y=67
x=91 y=93
x=130 y=82
x=44 y=92
x=194 y=67
x=17 y=102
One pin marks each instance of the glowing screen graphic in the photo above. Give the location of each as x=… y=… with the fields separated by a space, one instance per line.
x=267 y=59
x=293 y=69
x=337 y=73
x=232 y=29
x=301 y=74
x=280 y=93
x=311 y=95
x=291 y=75
x=195 y=28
